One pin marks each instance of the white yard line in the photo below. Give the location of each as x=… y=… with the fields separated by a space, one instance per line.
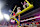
x=30 y=18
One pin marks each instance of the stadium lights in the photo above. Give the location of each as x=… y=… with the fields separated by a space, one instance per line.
x=1 y=4
x=6 y=16
x=1 y=16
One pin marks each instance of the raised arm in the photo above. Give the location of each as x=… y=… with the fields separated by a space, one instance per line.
x=21 y=3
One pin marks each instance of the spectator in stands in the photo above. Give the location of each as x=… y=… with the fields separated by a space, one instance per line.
x=14 y=14
x=25 y=4
x=22 y=25
x=37 y=23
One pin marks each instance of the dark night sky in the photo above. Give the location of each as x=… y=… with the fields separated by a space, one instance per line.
x=11 y=3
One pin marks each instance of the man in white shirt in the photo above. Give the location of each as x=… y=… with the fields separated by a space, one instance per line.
x=18 y=10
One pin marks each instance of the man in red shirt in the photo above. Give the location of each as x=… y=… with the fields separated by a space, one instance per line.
x=13 y=13
x=37 y=23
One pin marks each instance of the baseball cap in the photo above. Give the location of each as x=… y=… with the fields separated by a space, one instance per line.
x=18 y=8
